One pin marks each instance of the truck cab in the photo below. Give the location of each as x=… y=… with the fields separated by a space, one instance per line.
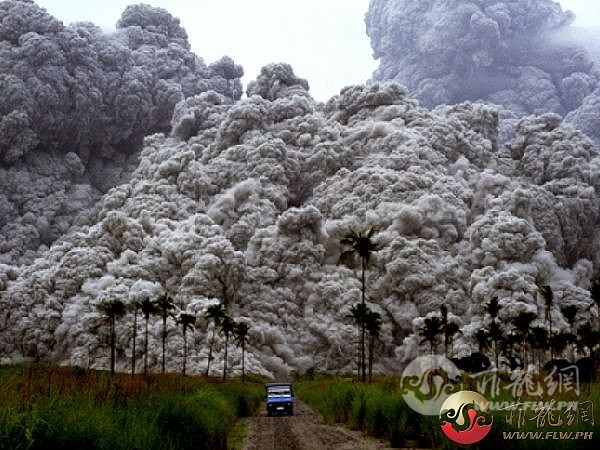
x=279 y=398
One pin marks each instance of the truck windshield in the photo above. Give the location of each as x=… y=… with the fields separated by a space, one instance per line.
x=279 y=392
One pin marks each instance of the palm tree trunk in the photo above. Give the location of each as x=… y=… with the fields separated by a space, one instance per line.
x=146 y=347
x=112 y=345
x=243 y=361
x=164 y=340
x=371 y=345
x=358 y=355
x=210 y=351
x=184 y=349
x=362 y=325
x=225 y=357
x=134 y=338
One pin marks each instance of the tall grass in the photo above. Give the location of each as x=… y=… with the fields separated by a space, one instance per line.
x=380 y=410
x=63 y=408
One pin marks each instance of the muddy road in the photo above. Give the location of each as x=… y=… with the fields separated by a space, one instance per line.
x=303 y=431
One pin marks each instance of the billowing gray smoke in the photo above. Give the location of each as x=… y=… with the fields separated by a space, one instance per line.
x=75 y=105
x=246 y=204
x=502 y=52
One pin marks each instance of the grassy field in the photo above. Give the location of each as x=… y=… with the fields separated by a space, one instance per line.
x=69 y=408
x=380 y=410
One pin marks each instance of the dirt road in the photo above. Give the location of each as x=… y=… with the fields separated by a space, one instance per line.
x=303 y=431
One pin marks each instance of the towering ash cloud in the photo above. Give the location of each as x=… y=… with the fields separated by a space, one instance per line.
x=76 y=104
x=245 y=203
x=504 y=52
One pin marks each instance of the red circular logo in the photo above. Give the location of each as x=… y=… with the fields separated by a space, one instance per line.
x=465 y=417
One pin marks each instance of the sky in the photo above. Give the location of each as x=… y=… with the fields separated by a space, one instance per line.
x=324 y=40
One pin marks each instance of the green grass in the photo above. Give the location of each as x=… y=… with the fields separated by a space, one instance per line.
x=66 y=408
x=237 y=435
x=380 y=410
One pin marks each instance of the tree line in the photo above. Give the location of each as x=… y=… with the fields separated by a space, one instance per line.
x=519 y=341
x=164 y=307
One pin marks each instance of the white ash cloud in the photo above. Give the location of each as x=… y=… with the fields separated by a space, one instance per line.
x=516 y=53
x=76 y=104
x=246 y=203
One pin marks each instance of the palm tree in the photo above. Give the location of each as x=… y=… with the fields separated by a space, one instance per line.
x=241 y=337
x=482 y=336
x=135 y=305
x=497 y=337
x=588 y=338
x=357 y=313
x=559 y=342
x=148 y=308
x=373 y=326
x=431 y=328
x=164 y=304
x=186 y=321
x=362 y=245
x=570 y=312
x=539 y=339
x=227 y=327
x=216 y=313
x=493 y=309
x=522 y=324
x=449 y=328
x=548 y=296
x=112 y=310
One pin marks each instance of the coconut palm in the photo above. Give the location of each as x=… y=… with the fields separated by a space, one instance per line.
x=493 y=309
x=373 y=327
x=112 y=310
x=215 y=313
x=539 y=339
x=431 y=328
x=357 y=314
x=522 y=324
x=164 y=306
x=588 y=338
x=570 y=312
x=148 y=308
x=363 y=246
x=240 y=333
x=559 y=342
x=187 y=322
x=498 y=340
x=449 y=329
x=227 y=327
x=134 y=306
x=548 y=296
x=482 y=337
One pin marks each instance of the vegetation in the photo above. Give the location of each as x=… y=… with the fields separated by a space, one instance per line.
x=363 y=246
x=380 y=410
x=112 y=310
x=240 y=332
x=164 y=305
x=70 y=408
x=227 y=327
x=214 y=313
x=187 y=322
x=148 y=308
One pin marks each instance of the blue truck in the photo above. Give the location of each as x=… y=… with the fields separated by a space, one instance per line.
x=279 y=398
